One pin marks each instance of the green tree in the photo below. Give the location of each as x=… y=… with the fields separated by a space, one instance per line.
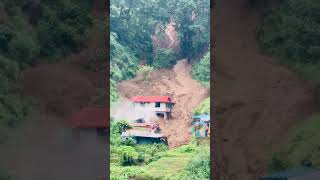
x=201 y=69
x=164 y=58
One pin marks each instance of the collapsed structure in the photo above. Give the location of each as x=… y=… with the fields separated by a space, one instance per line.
x=148 y=132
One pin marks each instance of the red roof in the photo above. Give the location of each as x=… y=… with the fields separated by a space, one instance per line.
x=90 y=118
x=151 y=99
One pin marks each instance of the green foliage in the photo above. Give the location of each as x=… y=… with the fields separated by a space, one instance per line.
x=204 y=107
x=291 y=31
x=123 y=64
x=303 y=144
x=12 y=107
x=193 y=19
x=46 y=29
x=201 y=70
x=164 y=58
x=144 y=72
x=199 y=167
x=35 y=30
x=128 y=155
x=278 y=164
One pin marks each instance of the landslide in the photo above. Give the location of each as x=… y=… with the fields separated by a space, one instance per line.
x=178 y=84
x=42 y=147
x=257 y=99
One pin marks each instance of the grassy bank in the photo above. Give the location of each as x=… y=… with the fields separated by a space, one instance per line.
x=155 y=161
x=303 y=144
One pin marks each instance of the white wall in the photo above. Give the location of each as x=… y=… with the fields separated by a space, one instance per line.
x=151 y=107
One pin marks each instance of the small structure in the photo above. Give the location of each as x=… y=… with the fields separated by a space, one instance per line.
x=160 y=105
x=201 y=123
x=90 y=118
x=145 y=133
x=144 y=137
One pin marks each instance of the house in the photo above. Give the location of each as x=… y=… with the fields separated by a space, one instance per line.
x=158 y=105
x=90 y=118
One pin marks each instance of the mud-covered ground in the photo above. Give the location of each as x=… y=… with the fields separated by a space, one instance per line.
x=257 y=99
x=178 y=84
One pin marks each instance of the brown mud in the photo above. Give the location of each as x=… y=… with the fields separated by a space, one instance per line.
x=178 y=84
x=257 y=99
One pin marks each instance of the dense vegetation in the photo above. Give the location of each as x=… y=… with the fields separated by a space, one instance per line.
x=291 y=31
x=31 y=31
x=155 y=161
x=133 y=23
x=201 y=70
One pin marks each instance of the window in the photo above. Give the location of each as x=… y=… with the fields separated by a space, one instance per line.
x=142 y=104
x=157 y=104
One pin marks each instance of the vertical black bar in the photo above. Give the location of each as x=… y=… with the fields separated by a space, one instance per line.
x=107 y=45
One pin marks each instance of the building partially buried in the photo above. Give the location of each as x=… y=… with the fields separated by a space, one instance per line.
x=159 y=105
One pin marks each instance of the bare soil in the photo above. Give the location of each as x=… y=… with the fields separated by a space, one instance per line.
x=42 y=147
x=257 y=100
x=178 y=84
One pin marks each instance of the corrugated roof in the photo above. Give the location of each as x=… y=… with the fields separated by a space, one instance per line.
x=151 y=99
x=90 y=118
x=202 y=117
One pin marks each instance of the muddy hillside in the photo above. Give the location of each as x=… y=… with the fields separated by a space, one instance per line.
x=43 y=147
x=257 y=99
x=178 y=84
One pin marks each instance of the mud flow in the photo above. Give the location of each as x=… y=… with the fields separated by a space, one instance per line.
x=178 y=84
x=257 y=99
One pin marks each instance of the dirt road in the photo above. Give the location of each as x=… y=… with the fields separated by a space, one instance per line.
x=42 y=147
x=257 y=99
x=178 y=84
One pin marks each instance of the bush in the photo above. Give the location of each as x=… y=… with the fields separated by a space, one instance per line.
x=164 y=58
x=278 y=163
x=199 y=167
x=128 y=155
x=24 y=49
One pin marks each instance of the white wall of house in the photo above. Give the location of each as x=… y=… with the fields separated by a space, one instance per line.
x=161 y=107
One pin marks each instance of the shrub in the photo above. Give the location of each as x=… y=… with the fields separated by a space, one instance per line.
x=24 y=49
x=278 y=163
x=128 y=155
x=199 y=167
